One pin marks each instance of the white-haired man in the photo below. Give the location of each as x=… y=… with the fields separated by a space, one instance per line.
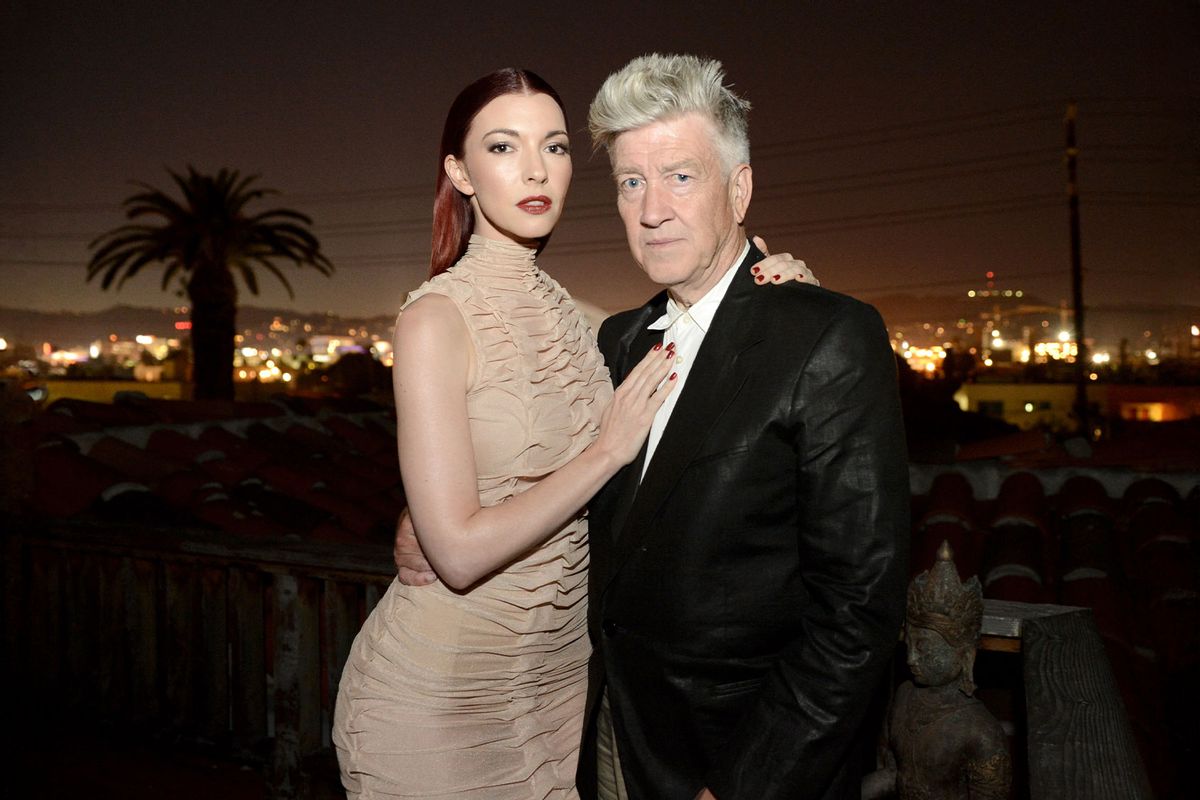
x=747 y=572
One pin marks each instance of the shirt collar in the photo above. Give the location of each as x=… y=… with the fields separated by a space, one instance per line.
x=703 y=310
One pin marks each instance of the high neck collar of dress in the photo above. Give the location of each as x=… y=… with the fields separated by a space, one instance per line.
x=499 y=258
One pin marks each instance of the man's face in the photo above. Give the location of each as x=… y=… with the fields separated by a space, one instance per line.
x=682 y=210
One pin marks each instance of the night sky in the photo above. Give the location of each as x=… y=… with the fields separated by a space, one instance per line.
x=898 y=146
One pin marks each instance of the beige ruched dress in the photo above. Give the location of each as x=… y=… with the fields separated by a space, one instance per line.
x=480 y=694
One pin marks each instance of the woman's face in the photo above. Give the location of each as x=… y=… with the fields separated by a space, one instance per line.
x=516 y=168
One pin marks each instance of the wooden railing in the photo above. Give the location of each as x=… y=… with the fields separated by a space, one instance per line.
x=1079 y=743
x=220 y=639
x=241 y=643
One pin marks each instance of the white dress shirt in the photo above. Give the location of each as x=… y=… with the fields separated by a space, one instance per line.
x=686 y=327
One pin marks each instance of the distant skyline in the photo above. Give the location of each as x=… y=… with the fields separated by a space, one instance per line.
x=895 y=145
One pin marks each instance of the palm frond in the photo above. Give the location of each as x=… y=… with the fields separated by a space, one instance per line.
x=249 y=277
x=274 y=270
x=206 y=228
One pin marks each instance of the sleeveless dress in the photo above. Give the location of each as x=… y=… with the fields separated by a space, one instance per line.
x=480 y=694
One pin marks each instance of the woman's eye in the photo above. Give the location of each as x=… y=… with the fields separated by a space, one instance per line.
x=500 y=147
x=559 y=148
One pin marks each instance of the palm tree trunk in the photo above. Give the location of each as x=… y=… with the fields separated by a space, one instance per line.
x=214 y=318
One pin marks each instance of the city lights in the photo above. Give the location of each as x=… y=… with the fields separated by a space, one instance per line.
x=1055 y=351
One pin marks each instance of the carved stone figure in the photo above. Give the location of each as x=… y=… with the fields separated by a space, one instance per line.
x=942 y=742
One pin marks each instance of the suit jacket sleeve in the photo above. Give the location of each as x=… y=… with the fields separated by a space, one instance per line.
x=852 y=536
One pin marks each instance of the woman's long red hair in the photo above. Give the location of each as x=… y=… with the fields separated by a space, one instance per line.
x=453 y=219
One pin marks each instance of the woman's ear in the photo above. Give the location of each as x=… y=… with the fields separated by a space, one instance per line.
x=456 y=171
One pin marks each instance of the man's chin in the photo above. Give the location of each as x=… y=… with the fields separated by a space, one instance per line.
x=666 y=272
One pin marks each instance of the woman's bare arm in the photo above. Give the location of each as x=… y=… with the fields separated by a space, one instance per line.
x=463 y=541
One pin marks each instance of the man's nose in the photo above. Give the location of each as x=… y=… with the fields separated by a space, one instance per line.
x=656 y=206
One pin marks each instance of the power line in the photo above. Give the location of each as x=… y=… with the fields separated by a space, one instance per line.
x=932 y=128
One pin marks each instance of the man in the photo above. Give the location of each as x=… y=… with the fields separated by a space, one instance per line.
x=747 y=575
x=747 y=571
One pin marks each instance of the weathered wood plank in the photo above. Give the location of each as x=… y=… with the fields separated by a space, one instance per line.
x=297 y=670
x=1000 y=644
x=46 y=630
x=142 y=590
x=308 y=617
x=1080 y=744
x=340 y=621
x=180 y=650
x=111 y=654
x=1003 y=618
x=16 y=630
x=249 y=663
x=81 y=621
x=374 y=592
x=213 y=655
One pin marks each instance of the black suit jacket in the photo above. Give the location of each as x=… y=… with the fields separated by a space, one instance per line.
x=746 y=598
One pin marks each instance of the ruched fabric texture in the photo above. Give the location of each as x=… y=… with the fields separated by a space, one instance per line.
x=480 y=694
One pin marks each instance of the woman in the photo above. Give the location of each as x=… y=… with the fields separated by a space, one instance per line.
x=507 y=425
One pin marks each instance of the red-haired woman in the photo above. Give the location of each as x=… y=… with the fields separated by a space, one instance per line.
x=507 y=423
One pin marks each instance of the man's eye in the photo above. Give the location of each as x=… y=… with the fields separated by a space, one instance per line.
x=679 y=177
x=629 y=184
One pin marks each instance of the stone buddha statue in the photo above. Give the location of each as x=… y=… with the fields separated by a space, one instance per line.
x=942 y=742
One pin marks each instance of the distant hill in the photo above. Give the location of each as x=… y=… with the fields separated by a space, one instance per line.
x=907 y=309
x=1106 y=324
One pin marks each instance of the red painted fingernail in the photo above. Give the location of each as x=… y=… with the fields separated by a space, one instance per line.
x=760 y=279
x=658 y=346
x=754 y=270
x=774 y=277
x=673 y=374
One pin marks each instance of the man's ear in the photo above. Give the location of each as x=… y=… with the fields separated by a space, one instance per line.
x=456 y=171
x=741 y=186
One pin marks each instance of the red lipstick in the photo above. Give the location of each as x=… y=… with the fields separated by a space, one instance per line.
x=536 y=204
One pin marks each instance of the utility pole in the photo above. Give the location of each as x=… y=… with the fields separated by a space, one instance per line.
x=1081 y=371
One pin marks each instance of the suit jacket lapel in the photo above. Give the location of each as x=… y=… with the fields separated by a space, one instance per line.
x=640 y=340
x=717 y=375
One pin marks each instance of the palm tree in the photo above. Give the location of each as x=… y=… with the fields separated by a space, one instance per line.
x=202 y=243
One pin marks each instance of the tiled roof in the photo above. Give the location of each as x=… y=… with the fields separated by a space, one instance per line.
x=322 y=469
